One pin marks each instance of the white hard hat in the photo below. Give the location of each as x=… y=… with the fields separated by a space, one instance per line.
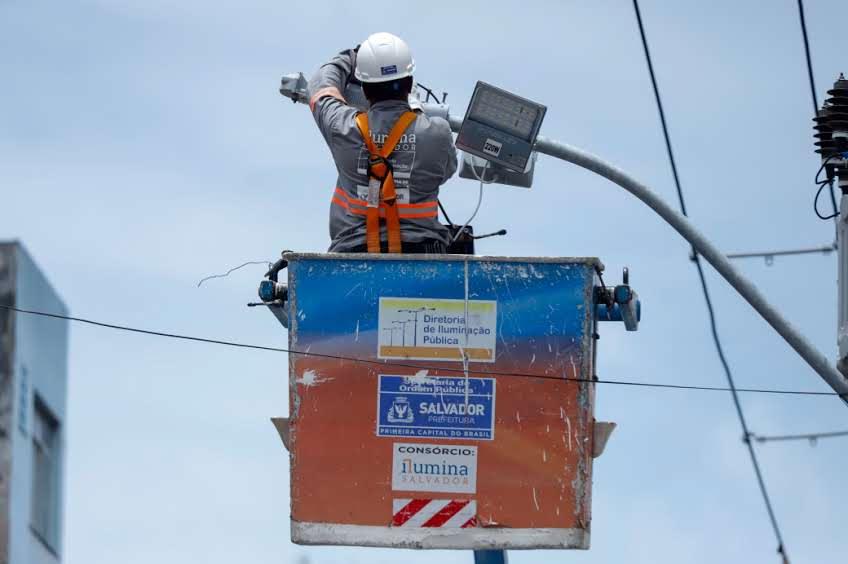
x=383 y=57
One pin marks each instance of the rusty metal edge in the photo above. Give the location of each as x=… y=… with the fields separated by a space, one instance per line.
x=591 y=261
x=428 y=538
x=582 y=482
x=294 y=398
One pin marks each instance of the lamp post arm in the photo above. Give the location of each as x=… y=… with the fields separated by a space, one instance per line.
x=816 y=359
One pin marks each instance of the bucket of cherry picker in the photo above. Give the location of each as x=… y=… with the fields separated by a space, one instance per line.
x=444 y=401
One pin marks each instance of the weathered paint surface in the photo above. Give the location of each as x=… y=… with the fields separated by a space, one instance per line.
x=533 y=477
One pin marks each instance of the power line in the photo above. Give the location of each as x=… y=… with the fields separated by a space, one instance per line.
x=713 y=327
x=809 y=59
x=812 y=437
x=405 y=365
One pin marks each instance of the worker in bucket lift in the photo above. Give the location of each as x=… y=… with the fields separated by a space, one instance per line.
x=390 y=159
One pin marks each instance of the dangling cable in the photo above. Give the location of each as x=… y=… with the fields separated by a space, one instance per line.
x=479 y=197
x=821 y=184
x=445 y=213
x=230 y=271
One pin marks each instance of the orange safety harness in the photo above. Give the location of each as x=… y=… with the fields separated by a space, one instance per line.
x=382 y=197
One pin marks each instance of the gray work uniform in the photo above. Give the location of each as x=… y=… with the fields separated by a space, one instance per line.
x=423 y=160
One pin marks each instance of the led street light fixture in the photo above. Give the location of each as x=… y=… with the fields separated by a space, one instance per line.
x=500 y=127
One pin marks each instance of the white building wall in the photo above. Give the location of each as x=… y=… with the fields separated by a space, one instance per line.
x=40 y=367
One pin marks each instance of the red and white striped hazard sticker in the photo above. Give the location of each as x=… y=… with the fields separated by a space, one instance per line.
x=445 y=513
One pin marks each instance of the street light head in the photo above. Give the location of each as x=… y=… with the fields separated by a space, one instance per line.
x=501 y=127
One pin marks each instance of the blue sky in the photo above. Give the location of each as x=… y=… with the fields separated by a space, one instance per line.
x=144 y=145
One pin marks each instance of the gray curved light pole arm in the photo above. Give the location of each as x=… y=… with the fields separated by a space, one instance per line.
x=808 y=352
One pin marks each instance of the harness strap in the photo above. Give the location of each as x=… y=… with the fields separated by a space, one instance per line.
x=412 y=211
x=380 y=170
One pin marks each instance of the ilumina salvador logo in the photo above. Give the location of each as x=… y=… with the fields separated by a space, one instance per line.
x=424 y=473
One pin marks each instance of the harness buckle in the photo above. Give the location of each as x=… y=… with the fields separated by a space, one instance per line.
x=375 y=187
x=377 y=163
x=379 y=169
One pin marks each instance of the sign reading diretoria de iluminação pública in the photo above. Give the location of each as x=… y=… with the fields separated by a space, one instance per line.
x=437 y=329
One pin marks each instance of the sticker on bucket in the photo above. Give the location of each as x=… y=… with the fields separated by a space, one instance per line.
x=434 y=468
x=436 y=407
x=435 y=329
x=444 y=513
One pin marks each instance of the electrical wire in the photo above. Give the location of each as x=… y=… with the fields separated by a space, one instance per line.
x=812 y=437
x=713 y=326
x=418 y=366
x=816 y=202
x=479 y=197
x=824 y=164
x=812 y=81
x=833 y=203
x=230 y=271
x=445 y=213
x=821 y=184
x=809 y=59
x=428 y=92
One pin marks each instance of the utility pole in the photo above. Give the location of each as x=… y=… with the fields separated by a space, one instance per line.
x=832 y=134
x=391 y=331
x=402 y=331
x=415 y=312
